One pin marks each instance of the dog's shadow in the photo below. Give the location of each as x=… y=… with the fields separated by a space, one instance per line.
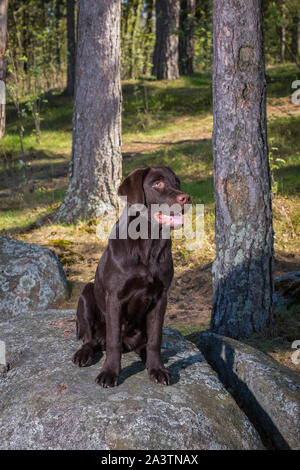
x=138 y=366
x=174 y=368
x=97 y=357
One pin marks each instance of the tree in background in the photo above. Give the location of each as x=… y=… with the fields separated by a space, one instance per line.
x=137 y=37
x=282 y=31
x=296 y=33
x=165 y=60
x=294 y=15
x=137 y=14
x=95 y=167
x=243 y=283
x=3 y=60
x=149 y=36
x=186 y=36
x=44 y=33
x=203 y=35
x=71 y=47
x=38 y=39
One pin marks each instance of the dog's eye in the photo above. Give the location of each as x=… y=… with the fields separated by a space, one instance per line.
x=159 y=184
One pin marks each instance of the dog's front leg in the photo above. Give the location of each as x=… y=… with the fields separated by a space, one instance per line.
x=155 y=319
x=110 y=371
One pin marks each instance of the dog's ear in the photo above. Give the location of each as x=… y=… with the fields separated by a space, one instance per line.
x=178 y=182
x=132 y=186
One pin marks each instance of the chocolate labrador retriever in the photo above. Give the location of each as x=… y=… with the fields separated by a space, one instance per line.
x=123 y=310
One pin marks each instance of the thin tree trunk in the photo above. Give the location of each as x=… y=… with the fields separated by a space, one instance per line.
x=3 y=61
x=37 y=123
x=24 y=41
x=243 y=283
x=148 y=32
x=20 y=126
x=126 y=16
x=95 y=167
x=207 y=42
x=283 y=35
x=186 y=40
x=132 y=72
x=71 y=48
x=165 y=61
x=298 y=38
x=57 y=35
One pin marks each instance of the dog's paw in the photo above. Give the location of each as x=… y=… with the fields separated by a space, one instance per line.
x=107 y=378
x=83 y=357
x=159 y=376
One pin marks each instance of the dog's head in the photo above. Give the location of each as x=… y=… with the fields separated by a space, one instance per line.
x=160 y=186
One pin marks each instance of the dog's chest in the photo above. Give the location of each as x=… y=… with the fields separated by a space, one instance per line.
x=146 y=294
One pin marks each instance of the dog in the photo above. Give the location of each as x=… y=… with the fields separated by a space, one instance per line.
x=124 y=309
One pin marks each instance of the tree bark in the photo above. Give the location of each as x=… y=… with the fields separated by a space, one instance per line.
x=71 y=48
x=165 y=60
x=3 y=61
x=95 y=167
x=186 y=40
x=243 y=282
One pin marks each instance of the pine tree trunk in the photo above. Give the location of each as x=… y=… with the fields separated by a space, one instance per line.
x=283 y=35
x=298 y=38
x=57 y=35
x=165 y=61
x=207 y=43
x=3 y=42
x=71 y=48
x=243 y=283
x=148 y=33
x=138 y=8
x=186 y=40
x=95 y=167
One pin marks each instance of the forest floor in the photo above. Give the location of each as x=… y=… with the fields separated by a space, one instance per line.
x=164 y=123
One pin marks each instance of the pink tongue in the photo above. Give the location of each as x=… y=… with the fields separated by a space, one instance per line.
x=173 y=219
x=178 y=219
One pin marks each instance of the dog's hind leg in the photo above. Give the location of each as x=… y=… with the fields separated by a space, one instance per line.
x=141 y=351
x=90 y=327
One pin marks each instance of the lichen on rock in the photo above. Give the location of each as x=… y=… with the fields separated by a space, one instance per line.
x=31 y=278
x=46 y=402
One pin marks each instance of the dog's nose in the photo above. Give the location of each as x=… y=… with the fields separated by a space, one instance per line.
x=183 y=198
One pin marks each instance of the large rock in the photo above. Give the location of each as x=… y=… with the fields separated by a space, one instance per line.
x=46 y=402
x=31 y=278
x=268 y=391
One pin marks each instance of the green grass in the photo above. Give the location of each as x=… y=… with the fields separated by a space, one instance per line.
x=24 y=218
x=280 y=79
